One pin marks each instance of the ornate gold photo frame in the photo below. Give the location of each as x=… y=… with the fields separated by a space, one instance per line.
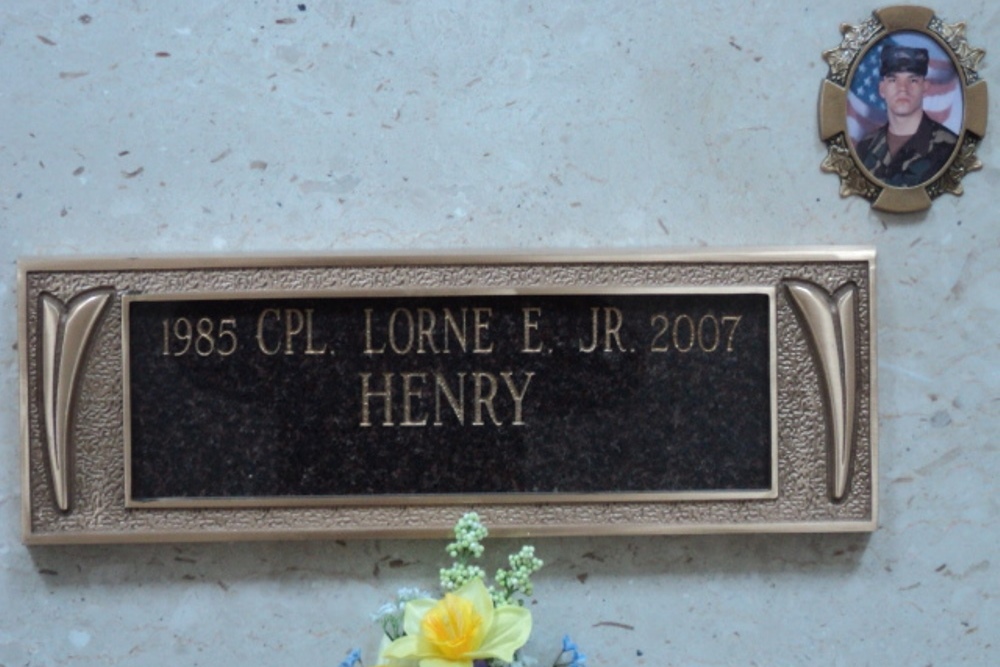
x=903 y=109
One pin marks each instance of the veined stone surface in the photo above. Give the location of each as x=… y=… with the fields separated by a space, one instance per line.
x=282 y=127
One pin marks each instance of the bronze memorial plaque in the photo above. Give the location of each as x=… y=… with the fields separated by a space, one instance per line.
x=259 y=398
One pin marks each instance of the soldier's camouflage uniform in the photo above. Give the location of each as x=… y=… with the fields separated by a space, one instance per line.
x=915 y=162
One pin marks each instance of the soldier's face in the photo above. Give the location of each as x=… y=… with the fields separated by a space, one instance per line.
x=903 y=92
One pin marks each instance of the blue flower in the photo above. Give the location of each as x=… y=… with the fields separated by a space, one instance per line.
x=353 y=658
x=570 y=655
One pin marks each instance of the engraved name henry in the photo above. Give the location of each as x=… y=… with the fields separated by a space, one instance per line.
x=470 y=396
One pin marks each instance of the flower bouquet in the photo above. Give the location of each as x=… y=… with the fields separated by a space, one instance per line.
x=472 y=624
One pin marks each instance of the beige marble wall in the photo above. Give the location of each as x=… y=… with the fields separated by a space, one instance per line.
x=142 y=128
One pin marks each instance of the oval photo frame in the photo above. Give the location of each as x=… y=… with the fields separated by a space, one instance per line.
x=932 y=95
x=903 y=109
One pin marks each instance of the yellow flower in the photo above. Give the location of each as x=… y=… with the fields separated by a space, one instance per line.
x=461 y=627
x=383 y=661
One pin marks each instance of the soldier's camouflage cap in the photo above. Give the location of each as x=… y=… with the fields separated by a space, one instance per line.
x=903 y=59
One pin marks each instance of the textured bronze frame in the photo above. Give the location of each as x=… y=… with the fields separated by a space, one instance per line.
x=842 y=159
x=823 y=390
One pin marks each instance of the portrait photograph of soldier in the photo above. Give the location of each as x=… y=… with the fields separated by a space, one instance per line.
x=905 y=110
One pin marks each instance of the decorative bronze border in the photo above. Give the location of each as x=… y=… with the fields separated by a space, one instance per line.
x=844 y=61
x=72 y=374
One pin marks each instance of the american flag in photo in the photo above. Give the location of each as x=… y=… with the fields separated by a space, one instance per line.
x=942 y=102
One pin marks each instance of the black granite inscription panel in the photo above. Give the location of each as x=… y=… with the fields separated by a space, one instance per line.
x=562 y=393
